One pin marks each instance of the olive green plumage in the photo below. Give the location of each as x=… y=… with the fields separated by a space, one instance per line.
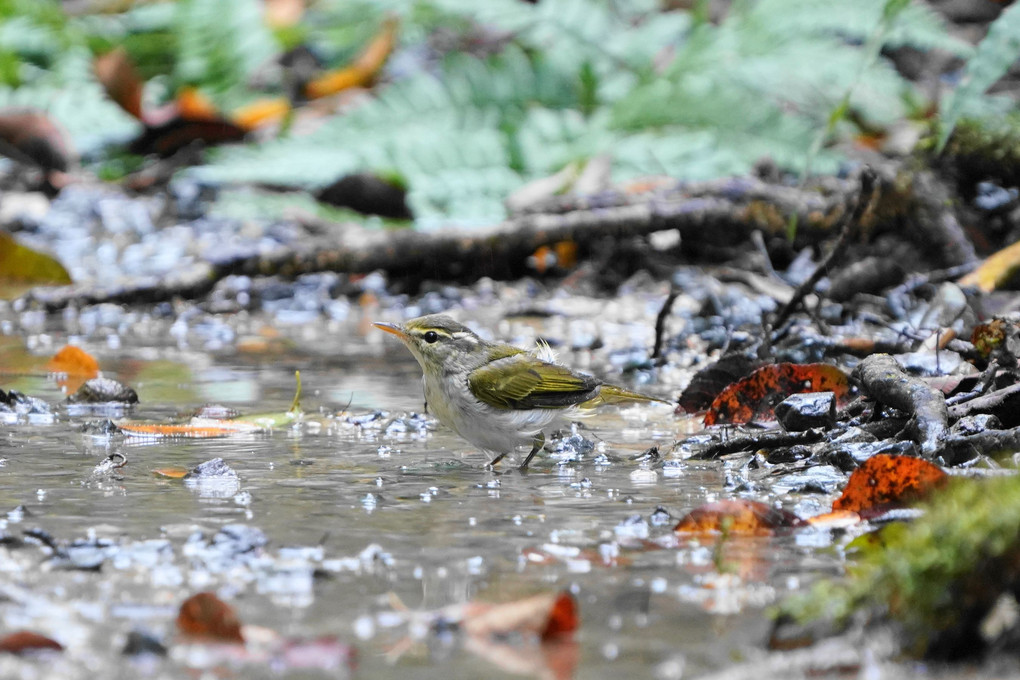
x=495 y=395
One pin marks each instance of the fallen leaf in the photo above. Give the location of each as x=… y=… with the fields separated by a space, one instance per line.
x=118 y=76
x=168 y=138
x=362 y=71
x=27 y=641
x=171 y=472
x=996 y=271
x=886 y=480
x=197 y=428
x=988 y=337
x=261 y=112
x=737 y=517
x=31 y=137
x=754 y=397
x=21 y=264
x=837 y=519
x=367 y=194
x=208 y=617
x=73 y=366
x=707 y=383
x=548 y=615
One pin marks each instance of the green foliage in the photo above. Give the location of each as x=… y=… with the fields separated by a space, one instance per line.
x=999 y=50
x=220 y=45
x=937 y=575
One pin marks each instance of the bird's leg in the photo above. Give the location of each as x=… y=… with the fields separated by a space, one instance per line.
x=535 y=448
x=492 y=463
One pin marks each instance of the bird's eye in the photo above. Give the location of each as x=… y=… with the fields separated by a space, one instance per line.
x=430 y=337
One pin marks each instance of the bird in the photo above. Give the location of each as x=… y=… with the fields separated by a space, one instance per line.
x=497 y=396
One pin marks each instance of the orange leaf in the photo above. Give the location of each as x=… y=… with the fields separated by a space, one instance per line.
x=171 y=472
x=206 y=616
x=885 y=480
x=260 y=112
x=996 y=271
x=193 y=105
x=740 y=517
x=547 y=615
x=837 y=519
x=755 y=396
x=198 y=428
x=73 y=360
x=74 y=366
x=362 y=71
x=118 y=77
x=26 y=641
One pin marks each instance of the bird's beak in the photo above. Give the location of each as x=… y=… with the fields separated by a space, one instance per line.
x=391 y=328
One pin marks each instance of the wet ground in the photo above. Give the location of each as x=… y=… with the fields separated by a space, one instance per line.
x=326 y=520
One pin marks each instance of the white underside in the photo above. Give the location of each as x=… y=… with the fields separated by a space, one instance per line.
x=490 y=429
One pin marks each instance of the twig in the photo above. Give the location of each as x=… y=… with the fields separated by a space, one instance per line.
x=660 y=321
x=851 y=219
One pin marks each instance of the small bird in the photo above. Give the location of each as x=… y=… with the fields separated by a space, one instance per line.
x=494 y=395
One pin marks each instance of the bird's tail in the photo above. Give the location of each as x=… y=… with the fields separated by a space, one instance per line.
x=611 y=394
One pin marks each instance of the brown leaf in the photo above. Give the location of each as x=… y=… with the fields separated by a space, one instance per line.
x=27 y=641
x=121 y=81
x=208 y=617
x=548 y=615
x=362 y=71
x=737 y=517
x=886 y=480
x=31 y=137
x=178 y=133
x=754 y=397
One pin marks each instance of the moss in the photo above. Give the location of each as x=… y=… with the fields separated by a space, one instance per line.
x=938 y=577
x=985 y=150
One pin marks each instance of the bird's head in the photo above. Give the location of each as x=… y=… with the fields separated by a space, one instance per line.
x=440 y=344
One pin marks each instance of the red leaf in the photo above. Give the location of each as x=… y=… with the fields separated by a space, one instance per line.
x=27 y=641
x=737 y=517
x=208 y=617
x=754 y=397
x=562 y=618
x=886 y=480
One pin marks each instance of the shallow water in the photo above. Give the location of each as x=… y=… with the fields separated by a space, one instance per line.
x=354 y=508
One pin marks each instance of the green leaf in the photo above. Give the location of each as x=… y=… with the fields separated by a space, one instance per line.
x=999 y=50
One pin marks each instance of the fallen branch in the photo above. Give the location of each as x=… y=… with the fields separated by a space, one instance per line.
x=882 y=380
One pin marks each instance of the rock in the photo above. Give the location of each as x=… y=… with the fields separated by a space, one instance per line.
x=800 y=412
x=103 y=390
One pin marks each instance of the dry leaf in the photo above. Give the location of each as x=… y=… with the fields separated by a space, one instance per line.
x=27 y=641
x=996 y=271
x=737 y=517
x=548 y=615
x=208 y=617
x=121 y=81
x=885 y=481
x=21 y=264
x=31 y=137
x=754 y=397
x=362 y=71
x=197 y=428
x=171 y=472
x=261 y=112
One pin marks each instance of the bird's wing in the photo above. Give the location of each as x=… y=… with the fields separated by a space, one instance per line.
x=523 y=381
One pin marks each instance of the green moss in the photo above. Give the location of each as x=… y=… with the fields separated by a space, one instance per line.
x=937 y=577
